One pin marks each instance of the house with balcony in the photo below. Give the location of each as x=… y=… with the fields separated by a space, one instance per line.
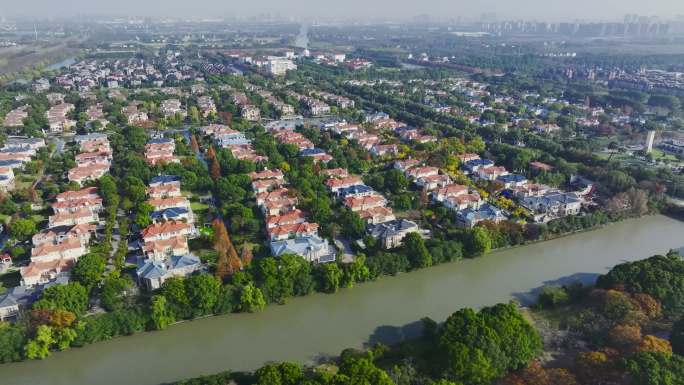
x=552 y=205
x=421 y=172
x=166 y=230
x=433 y=182
x=470 y=217
x=451 y=190
x=153 y=273
x=512 y=180
x=463 y=201
x=391 y=234
x=160 y=250
x=294 y=230
x=377 y=215
x=314 y=249
x=365 y=202
x=336 y=184
x=71 y=218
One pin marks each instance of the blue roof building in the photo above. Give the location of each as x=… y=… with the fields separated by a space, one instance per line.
x=164 y=179
x=170 y=214
x=358 y=190
x=311 y=152
x=476 y=164
x=160 y=141
x=512 y=180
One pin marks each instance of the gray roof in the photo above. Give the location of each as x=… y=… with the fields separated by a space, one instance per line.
x=486 y=212
x=93 y=136
x=19 y=295
x=551 y=199
x=23 y=141
x=304 y=246
x=150 y=269
x=164 y=179
x=478 y=163
x=511 y=178
x=388 y=229
x=311 y=152
x=353 y=190
x=172 y=212
x=181 y=261
x=160 y=141
x=10 y=162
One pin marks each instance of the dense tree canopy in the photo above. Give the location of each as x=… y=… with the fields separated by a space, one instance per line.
x=662 y=277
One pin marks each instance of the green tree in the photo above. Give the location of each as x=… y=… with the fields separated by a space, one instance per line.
x=395 y=181
x=64 y=337
x=113 y=290
x=361 y=370
x=269 y=375
x=23 y=229
x=71 y=297
x=39 y=347
x=677 y=337
x=176 y=295
x=479 y=347
x=658 y=276
x=12 y=341
x=134 y=189
x=656 y=369
x=89 y=269
x=203 y=292
x=417 y=253
x=480 y=241
x=329 y=277
x=552 y=296
x=142 y=214
x=251 y=299
x=160 y=315
x=356 y=271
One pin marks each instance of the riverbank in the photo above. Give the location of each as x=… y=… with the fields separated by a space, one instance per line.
x=133 y=319
x=319 y=325
x=573 y=334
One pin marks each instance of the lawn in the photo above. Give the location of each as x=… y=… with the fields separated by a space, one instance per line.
x=198 y=206
x=660 y=155
x=38 y=219
x=24 y=182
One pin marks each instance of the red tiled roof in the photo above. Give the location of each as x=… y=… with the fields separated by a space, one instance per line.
x=161 y=228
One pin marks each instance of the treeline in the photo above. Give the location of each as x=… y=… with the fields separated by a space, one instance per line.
x=469 y=348
x=622 y=325
x=612 y=334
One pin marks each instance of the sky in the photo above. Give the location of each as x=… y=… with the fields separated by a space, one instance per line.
x=543 y=10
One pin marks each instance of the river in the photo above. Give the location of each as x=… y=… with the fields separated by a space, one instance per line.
x=322 y=325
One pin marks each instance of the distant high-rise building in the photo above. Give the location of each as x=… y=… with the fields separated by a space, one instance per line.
x=649 y=141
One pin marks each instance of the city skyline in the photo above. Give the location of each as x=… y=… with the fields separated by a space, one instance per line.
x=489 y=10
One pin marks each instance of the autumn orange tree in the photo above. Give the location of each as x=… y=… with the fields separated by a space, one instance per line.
x=193 y=143
x=246 y=255
x=535 y=374
x=228 y=261
x=214 y=166
x=625 y=337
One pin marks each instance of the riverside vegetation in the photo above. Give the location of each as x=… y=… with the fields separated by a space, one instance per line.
x=627 y=329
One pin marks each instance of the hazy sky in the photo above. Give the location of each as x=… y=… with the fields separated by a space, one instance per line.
x=552 y=10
